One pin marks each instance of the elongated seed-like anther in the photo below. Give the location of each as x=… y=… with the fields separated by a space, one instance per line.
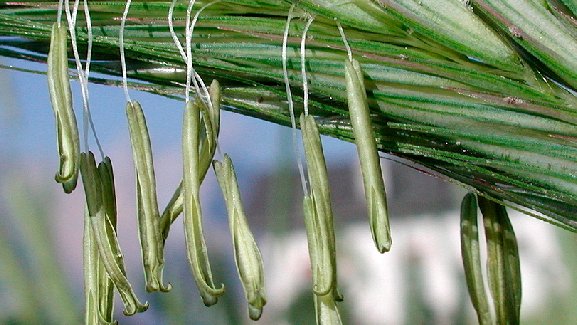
x=108 y=248
x=91 y=269
x=503 y=264
x=326 y=310
x=210 y=117
x=319 y=248
x=61 y=98
x=246 y=253
x=172 y=210
x=98 y=288
x=471 y=256
x=318 y=213
x=368 y=155
x=109 y=203
x=215 y=98
x=195 y=244
x=147 y=206
x=104 y=286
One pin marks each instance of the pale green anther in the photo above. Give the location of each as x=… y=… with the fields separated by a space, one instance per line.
x=318 y=213
x=172 y=210
x=98 y=288
x=105 y=291
x=109 y=192
x=61 y=98
x=326 y=310
x=107 y=245
x=471 y=255
x=319 y=249
x=368 y=155
x=215 y=98
x=109 y=202
x=151 y=240
x=195 y=244
x=317 y=170
x=91 y=274
x=246 y=253
x=211 y=120
x=503 y=266
x=210 y=117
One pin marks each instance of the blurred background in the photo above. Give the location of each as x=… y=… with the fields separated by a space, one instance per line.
x=420 y=281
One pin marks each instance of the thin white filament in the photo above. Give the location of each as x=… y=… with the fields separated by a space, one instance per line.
x=71 y=17
x=191 y=74
x=186 y=54
x=188 y=47
x=304 y=67
x=196 y=75
x=82 y=74
x=290 y=101
x=342 y=32
x=59 y=13
x=172 y=32
x=87 y=75
x=75 y=11
x=122 y=56
x=89 y=29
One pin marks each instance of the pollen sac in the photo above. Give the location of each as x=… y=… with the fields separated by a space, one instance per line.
x=326 y=310
x=98 y=288
x=96 y=181
x=323 y=268
x=368 y=155
x=503 y=263
x=471 y=255
x=151 y=240
x=319 y=215
x=195 y=244
x=246 y=253
x=210 y=121
x=61 y=98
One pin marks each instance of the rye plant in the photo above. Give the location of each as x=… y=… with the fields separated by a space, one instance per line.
x=481 y=92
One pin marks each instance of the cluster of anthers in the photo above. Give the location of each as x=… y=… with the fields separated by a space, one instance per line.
x=104 y=267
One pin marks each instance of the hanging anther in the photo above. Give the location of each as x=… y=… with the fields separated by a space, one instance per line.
x=210 y=117
x=471 y=255
x=318 y=213
x=368 y=155
x=503 y=264
x=246 y=253
x=195 y=244
x=96 y=182
x=61 y=98
x=147 y=206
x=98 y=288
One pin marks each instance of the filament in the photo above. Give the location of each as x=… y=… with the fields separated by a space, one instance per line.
x=59 y=13
x=122 y=56
x=72 y=16
x=342 y=32
x=303 y=66
x=291 y=103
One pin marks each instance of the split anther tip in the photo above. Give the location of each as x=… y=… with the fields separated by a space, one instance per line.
x=139 y=308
